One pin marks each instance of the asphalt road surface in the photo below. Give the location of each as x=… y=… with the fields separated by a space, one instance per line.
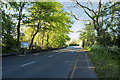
x=62 y=63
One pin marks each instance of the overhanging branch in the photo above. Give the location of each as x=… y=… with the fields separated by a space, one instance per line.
x=84 y=7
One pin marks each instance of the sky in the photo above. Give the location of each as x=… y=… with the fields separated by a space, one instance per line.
x=79 y=13
x=77 y=26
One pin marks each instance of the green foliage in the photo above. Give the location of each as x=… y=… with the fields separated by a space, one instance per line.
x=106 y=26
x=87 y=34
x=52 y=19
x=44 y=25
x=106 y=52
x=110 y=23
x=105 y=60
x=105 y=20
x=8 y=32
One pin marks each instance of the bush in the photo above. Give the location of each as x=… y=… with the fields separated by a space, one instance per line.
x=105 y=60
x=110 y=51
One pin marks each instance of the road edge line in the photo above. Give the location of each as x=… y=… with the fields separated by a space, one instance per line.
x=71 y=75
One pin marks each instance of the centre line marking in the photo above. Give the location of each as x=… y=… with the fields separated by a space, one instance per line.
x=50 y=56
x=27 y=63
x=36 y=54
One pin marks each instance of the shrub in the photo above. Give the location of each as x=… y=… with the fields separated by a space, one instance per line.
x=107 y=52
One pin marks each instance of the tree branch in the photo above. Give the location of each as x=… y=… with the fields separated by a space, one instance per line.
x=74 y=16
x=84 y=7
x=91 y=7
x=79 y=19
x=85 y=10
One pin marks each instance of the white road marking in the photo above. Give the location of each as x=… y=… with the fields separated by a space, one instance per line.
x=90 y=67
x=67 y=61
x=74 y=67
x=50 y=56
x=27 y=63
x=37 y=54
x=72 y=50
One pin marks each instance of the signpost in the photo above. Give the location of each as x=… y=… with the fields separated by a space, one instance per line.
x=24 y=45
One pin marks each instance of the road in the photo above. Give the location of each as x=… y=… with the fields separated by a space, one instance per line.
x=62 y=63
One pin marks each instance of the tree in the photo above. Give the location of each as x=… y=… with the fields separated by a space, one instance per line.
x=8 y=29
x=41 y=13
x=45 y=24
x=102 y=18
x=18 y=7
x=87 y=35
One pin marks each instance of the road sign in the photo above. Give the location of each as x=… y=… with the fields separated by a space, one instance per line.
x=24 y=45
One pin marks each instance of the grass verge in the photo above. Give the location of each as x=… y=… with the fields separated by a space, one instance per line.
x=106 y=66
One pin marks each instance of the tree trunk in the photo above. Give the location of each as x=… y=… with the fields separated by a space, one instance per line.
x=18 y=27
x=98 y=35
x=83 y=43
x=48 y=39
x=18 y=33
x=9 y=37
x=32 y=39
x=34 y=36
x=43 y=38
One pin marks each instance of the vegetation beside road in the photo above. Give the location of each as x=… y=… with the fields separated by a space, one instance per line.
x=101 y=36
x=43 y=25
x=106 y=61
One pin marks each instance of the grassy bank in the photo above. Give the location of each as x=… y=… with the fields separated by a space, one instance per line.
x=106 y=62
